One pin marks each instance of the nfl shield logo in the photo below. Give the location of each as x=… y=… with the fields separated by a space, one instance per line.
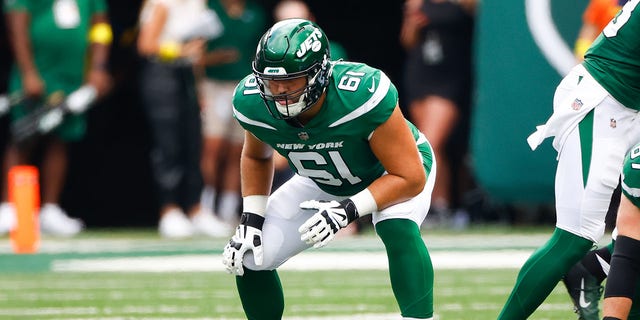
x=577 y=104
x=303 y=135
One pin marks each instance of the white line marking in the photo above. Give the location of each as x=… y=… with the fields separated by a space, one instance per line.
x=306 y=261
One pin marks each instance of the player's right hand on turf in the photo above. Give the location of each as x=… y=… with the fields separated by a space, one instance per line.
x=248 y=237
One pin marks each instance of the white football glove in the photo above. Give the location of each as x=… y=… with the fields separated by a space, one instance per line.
x=80 y=100
x=325 y=223
x=248 y=237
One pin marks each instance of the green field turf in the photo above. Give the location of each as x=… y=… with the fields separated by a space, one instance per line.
x=32 y=288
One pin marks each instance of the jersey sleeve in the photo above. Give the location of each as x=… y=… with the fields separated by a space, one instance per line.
x=631 y=176
x=367 y=96
x=390 y=99
x=382 y=101
x=248 y=107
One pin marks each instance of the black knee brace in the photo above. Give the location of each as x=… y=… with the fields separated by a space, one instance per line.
x=625 y=265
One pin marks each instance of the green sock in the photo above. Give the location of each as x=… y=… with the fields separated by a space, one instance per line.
x=541 y=272
x=410 y=267
x=261 y=294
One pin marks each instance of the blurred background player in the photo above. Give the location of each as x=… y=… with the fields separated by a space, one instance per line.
x=226 y=62
x=289 y=9
x=438 y=38
x=58 y=46
x=595 y=17
x=169 y=98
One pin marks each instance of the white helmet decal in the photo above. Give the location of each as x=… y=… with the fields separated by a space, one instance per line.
x=311 y=43
x=275 y=71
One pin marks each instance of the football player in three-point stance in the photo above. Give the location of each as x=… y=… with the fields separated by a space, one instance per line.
x=339 y=126
x=595 y=123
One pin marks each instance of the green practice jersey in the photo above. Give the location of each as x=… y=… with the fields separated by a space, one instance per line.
x=241 y=34
x=614 y=58
x=333 y=148
x=59 y=32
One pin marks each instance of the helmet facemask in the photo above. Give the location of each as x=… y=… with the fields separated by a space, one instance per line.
x=279 y=105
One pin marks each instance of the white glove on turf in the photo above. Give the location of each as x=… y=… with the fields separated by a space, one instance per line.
x=325 y=223
x=248 y=237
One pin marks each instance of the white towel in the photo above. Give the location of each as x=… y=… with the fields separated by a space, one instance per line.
x=570 y=109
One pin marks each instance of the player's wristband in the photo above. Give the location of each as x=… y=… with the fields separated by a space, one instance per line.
x=364 y=202
x=250 y=219
x=581 y=47
x=169 y=50
x=101 y=33
x=255 y=204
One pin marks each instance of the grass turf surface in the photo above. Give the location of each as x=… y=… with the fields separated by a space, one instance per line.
x=30 y=289
x=459 y=294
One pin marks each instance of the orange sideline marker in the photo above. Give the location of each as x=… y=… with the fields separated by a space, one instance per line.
x=24 y=194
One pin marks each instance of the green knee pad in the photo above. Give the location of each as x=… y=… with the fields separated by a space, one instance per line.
x=410 y=267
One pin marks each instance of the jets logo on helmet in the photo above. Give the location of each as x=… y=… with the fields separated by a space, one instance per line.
x=292 y=49
x=275 y=71
x=312 y=42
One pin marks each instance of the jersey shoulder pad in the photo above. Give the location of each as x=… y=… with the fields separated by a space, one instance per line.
x=630 y=180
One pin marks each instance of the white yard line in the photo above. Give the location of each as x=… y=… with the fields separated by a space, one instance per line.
x=306 y=261
x=458 y=241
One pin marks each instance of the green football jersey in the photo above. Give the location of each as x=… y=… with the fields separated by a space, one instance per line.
x=614 y=58
x=333 y=148
x=631 y=176
x=59 y=32
x=240 y=33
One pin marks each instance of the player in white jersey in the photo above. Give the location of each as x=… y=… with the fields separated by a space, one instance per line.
x=339 y=126
x=595 y=123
